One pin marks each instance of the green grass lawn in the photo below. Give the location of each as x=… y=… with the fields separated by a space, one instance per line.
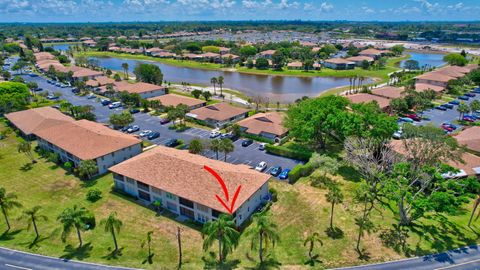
x=300 y=210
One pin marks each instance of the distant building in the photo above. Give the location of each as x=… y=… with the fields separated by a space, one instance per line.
x=268 y=125
x=145 y=90
x=358 y=60
x=295 y=65
x=389 y=92
x=383 y=103
x=338 y=63
x=218 y=115
x=175 y=100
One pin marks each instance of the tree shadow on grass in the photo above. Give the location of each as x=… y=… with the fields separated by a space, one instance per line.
x=269 y=263
x=26 y=167
x=363 y=254
x=314 y=260
x=114 y=254
x=37 y=241
x=210 y=262
x=349 y=173
x=334 y=233
x=149 y=259
x=79 y=253
x=9 y=235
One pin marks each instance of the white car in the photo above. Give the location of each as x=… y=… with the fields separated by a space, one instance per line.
x=114 y=105
x=261 y=146
x=145 y=133
x=91 y=96
x=133 y=129
x=261 y=166
x=215 y=133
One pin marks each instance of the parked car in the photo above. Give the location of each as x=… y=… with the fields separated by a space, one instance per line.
x=172 y=143
x=105 y=102
x=276 y=171
x=470 y=95
x=153 y=135
x=261 y=146
x=454 y=102
x=261 y=166
x=473 y=116
x=476 y=91
x=398 y=135
x=164 y=121
x=214 y=133
x=51 y=97
x=227 y=135
x=247 y=142
x=468 y=119
x=91 y=96
x=406 y=120
x=447 y=105
x=440 y=108
x=414 y=117
x=284 y=174
x=125 y=128
x=38 y=89
x=133 y=128
x=145 y=133
x=56 y=107
x=114 y=105
x=75 y=90
x=463 y=98
x=134 y=111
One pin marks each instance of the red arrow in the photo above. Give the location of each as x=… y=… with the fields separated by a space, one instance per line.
x=225 y=191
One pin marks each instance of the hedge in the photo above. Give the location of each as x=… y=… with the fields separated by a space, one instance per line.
x=256 y=138
x=287 y=152
x=299 y=171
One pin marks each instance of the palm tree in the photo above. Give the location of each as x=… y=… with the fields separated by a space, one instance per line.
x=462 y=109
x=475 y=106
x=8 y=201
x=311 y=240
x=216 y=146
x=125 y=70
x=222 y=230
x=475 y=206
x=87 y=168
x=214 y=81
x=220 y=83
x=26 y=148
x=32 y=216
x=334 y=196
x=227 y=147
x=350 y=86
x=112 y=225
x=73 y=218
x=262 y=230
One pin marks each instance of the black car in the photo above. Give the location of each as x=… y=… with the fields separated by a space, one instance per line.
x=164 y=121
x=276 y=171
x=172 y=143
x=441 y=108
x=448 y=106
x=247 y=142
x=153 y=135
x=105 y=102
x=75 y=90
x=470 y=94
x=125 y=128
x=134 y=111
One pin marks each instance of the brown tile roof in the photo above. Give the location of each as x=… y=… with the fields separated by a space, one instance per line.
x=210 y=55
x=339 y=61
x=371 y=52
x=183 y=174
x=220 y=112
x=420 y=87
x=32 y=120
x=470 y=137
x=435 y=76
x=233 y=56
x=360 y=58
x=174 y=100
x=43 y=56
x=264 y=122
x=268 y=52
x=390 y=92
x=139 y=87
x=365 y=98
x=295 y=64
x=85 y=72
x=452 y=71
x=99 y=81
x=86 y=139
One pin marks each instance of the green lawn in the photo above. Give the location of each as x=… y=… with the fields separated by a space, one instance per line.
x=300 y=210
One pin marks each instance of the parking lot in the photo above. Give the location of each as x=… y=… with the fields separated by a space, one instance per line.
x=250 y=155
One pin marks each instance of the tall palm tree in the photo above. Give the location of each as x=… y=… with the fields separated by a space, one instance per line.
x=33 y=216
x=220 y=83
x=112 y=225
x=334 y=196
x=73 y=218
x=26 y=148
x=227 y=147
x=214 y=81
x=216 y=146
x=310 y=241
x=125 y=70
x=350 y=86
x=8 y=201
x=262 y=230
x=462 y=109
x=222 y=230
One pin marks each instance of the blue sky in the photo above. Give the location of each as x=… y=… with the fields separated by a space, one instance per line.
x=181 y=10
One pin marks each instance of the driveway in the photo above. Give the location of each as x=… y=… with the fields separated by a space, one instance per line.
x=241 y=155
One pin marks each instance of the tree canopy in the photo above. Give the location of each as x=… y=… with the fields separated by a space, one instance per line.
x=13 y=96
x=148 y=73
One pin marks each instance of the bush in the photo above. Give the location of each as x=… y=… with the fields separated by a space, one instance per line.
x=274 y=194
x=287 y=152
x=68 y=166
x=256 y=138
x=53 y=157
x=300 y=171
x=94 y=195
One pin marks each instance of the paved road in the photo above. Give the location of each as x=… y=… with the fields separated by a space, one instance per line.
x=241 y=155
x=466 y=258
x=17 y=260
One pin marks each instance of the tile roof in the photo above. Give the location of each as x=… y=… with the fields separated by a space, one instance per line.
x=365 y=98
x=420 y=87
x=360 y=58
x=264 y=122
x=43 y=56
x=371 y=52
x=219 y=112
x=339 y=61
x=139 y=87
x=390 y=92
x=183 y=174
x=268 y=52
x=32 y=120
x=470 y=137
x=86 y=139
x=295 y=64
x=99 y=81
x=174 y=100
x=435 y=76
x=79 y=72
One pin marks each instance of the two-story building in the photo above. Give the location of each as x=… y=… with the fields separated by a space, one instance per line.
x=268 y=125
x=218 y=115
x=181 y=183
x=175 y=100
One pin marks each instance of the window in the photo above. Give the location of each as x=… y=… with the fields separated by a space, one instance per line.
x=113 y=154
x=187 y=212
x=130 y=181
x=215 y=213
x=118 y=177
x=143 y=195
x=156 y=191
x=202 y=218
x=171 y=196
x=172 y=207
x=186 y=202
x=202 y=208
x=143 y=186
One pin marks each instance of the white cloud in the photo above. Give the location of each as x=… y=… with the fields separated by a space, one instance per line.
x=284 y=4
x=326 y=7
x=368 y=10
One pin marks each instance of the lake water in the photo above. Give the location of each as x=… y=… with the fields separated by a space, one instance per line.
x=61 y=47
x=276 y=88
x=429 y=59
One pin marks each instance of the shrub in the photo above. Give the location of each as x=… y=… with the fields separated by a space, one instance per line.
x=94 y=195
x=287 y=152
x=274 y=194
x=53 y=157
x=256 y=138
x=68 y=166
x=300 y=171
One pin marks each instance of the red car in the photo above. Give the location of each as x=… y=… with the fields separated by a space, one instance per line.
x=164 y=121
x=468 y=119
x=414 y=117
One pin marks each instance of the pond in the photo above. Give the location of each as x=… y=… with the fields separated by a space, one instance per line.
x=276 y=88
x=62 y=46
x=428 y=59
